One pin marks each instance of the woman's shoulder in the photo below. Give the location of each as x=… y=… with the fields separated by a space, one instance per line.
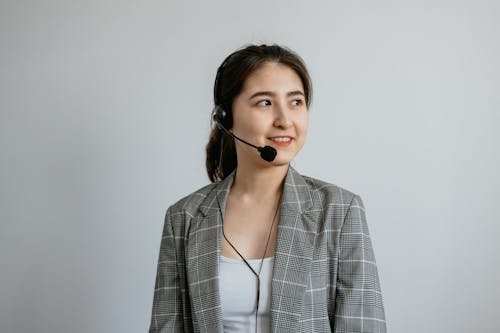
x=191 y=202
x=329 y=192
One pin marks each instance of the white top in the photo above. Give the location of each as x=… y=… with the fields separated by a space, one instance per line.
x=238 y=290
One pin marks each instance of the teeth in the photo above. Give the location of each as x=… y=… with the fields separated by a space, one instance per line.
x=282 y=139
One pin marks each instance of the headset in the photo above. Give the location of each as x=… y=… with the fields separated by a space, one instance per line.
x=223 y=119
x=219 y=115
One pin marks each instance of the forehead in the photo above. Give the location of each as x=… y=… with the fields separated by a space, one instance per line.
x=272 y=76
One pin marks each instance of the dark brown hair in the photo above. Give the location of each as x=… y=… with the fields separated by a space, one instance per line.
x=231 y=75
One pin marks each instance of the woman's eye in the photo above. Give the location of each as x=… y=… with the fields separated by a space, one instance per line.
x=297 y=102
x=264 y=102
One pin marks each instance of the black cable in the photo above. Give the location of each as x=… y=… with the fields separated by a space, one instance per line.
x=245 y=261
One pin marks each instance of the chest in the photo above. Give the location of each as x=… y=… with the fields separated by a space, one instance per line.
x=250 y=230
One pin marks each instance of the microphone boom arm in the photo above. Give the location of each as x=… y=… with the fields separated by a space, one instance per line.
x=267 y=153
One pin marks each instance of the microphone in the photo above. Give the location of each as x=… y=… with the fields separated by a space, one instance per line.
x=267 y=153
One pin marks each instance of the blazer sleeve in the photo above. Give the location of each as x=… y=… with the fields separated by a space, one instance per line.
x=167 y=302
x=358 y=301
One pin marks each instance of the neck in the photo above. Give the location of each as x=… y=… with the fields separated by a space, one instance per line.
x=259 y=184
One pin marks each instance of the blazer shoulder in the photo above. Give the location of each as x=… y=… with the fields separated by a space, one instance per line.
x=191 y=202
x=329 y=193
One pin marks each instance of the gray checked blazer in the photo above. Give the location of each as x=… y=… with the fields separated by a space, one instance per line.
x=325 y=277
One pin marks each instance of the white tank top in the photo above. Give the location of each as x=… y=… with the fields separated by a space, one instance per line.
x=238 y=290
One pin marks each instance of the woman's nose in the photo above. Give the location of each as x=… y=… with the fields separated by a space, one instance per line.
x=282 y=118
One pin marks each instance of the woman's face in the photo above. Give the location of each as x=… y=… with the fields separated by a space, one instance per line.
x=270 y=110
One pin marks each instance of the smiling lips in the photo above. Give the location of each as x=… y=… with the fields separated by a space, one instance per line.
x=281 y=140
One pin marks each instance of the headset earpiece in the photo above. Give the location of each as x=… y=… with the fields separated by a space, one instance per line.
x=221 y=116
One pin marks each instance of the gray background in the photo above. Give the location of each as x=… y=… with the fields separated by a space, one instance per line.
x=105 y=114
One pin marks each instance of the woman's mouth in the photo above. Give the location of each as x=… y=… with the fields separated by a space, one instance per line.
x=282 y=141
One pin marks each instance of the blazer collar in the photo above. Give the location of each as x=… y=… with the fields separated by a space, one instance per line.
x=292 y=262
x=296 y=198
x=218 y=196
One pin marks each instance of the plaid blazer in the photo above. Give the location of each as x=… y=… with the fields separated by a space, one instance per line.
x=325 y=277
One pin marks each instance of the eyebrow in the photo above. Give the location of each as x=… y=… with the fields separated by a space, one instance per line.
x=272 y=94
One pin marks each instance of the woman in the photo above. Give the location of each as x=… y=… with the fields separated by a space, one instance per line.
x=263 y=248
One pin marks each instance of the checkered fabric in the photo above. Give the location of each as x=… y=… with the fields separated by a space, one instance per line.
x=325 y=276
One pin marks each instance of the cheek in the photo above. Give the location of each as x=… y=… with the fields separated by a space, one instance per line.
x=239 y=121
x=303 y=123
x=247 y=127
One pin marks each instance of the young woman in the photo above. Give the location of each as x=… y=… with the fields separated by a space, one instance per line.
x=263 y=248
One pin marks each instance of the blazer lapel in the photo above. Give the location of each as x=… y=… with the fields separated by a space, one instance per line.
x=202 y=260
x=294 y=252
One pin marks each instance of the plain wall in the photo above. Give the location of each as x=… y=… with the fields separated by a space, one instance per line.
x=105 y=109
